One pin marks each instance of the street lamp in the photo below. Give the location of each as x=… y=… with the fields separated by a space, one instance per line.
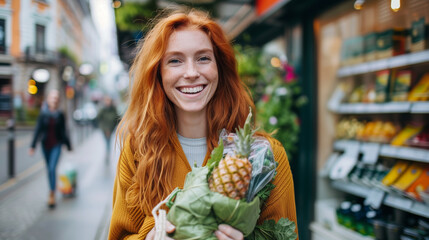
x=86 y=69
x=41 y=75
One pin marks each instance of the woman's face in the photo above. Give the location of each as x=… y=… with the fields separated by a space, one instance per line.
x=53 y=100
x=189 y=71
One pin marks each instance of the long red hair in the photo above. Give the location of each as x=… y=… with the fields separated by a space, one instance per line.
x=150 y=121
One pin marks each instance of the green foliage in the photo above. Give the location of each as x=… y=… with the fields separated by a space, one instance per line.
x=248 y=60
x=215 y=156
x=207 y=6
x=276 y=113
x=245 y=137
x=135 y=16
x=249 y=68
x=284 y=229
x=276 y=93
x=66 y=52
x=265 y=192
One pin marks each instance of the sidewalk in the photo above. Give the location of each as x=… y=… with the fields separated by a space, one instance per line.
x=24 y=214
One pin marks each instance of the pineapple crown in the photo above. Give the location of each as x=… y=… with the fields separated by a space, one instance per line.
x=243 y=144
x=245 y=138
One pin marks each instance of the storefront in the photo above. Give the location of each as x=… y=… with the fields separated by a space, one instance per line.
x=372 y=77
x=363 y=67
x=6 y=77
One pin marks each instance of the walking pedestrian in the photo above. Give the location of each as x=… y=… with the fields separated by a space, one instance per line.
x=107 y=119
x=51 y=131
x=185 y=90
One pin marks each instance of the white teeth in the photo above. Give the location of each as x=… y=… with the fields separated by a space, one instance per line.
x=192 y=90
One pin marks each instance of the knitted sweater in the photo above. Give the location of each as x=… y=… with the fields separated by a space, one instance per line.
x=132 y=223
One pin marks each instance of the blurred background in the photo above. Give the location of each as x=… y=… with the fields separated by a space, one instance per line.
x=345 y=84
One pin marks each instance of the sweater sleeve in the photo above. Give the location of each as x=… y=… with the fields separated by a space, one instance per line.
x=127 y=222
x=281 y=203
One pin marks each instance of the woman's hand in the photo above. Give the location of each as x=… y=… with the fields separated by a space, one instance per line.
x=169 y=228
x=226 y=232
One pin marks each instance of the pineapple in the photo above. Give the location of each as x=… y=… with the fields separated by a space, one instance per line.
x=232 y=175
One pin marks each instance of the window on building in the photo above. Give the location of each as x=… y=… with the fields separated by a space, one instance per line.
x=40 y=38
x=2 y=36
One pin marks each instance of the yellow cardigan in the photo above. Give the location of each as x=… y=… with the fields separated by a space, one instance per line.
x=132 y=223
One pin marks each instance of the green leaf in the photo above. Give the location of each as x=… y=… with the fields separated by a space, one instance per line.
x=215 y=156
x=265 y=192
x=284 y=229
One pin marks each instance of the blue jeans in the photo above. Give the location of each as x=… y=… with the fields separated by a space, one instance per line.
x=51 y=157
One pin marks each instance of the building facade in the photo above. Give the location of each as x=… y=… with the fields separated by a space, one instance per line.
x=42 y=45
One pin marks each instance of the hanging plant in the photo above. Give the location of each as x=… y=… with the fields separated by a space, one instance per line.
x=135 y=16
x=277 y=95
x=249 y=69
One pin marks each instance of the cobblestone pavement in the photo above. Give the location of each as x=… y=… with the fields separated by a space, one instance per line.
x=24 y=214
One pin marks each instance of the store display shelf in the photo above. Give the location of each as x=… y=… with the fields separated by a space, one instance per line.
x=406 y=153
x=387 y=150
x=351 y=188
x=391 y=200
x=390 y=107
x=393 y=62
x=407 y=205
x=420 y=107
x=340 y=233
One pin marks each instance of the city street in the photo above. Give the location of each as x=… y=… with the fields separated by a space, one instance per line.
x=24 y=214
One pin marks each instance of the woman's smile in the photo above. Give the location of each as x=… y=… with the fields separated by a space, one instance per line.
x=191 y=89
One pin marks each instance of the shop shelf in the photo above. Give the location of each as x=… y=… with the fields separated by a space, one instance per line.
x=393 y=62
x=351 y=188
x=376 y=108
x=340 y=233
x=341 y=145
x=406 y=153
x=420 y=107
x=387 y=150
x=391 y=200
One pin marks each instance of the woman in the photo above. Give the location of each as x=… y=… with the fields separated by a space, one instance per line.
x=185 y=90
x=51 y=129
x=107 y=118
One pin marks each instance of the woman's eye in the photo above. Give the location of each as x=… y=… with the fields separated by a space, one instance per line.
x=173 y=61
x=204 y=59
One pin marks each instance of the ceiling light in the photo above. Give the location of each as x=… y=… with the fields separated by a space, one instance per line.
x=359 y=4
x=395 y=5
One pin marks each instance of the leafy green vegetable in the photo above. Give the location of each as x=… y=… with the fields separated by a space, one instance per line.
x=215 y=156
x=284 y=229
x=197 y=211
x=265 y=192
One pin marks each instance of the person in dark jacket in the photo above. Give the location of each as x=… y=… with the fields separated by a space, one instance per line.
x=51 y=131
x=107 y=119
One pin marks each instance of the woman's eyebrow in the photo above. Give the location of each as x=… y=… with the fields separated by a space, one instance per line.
x=173 y=53
x=204 y=50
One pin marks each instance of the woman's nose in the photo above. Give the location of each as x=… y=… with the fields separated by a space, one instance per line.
x=191 y=71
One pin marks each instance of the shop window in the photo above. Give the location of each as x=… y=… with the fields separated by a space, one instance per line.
x=2 y=36
x=40 y=38
x=5 y=98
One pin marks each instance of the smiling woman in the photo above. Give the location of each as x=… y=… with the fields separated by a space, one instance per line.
x=186 y=89
x=189 y=74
